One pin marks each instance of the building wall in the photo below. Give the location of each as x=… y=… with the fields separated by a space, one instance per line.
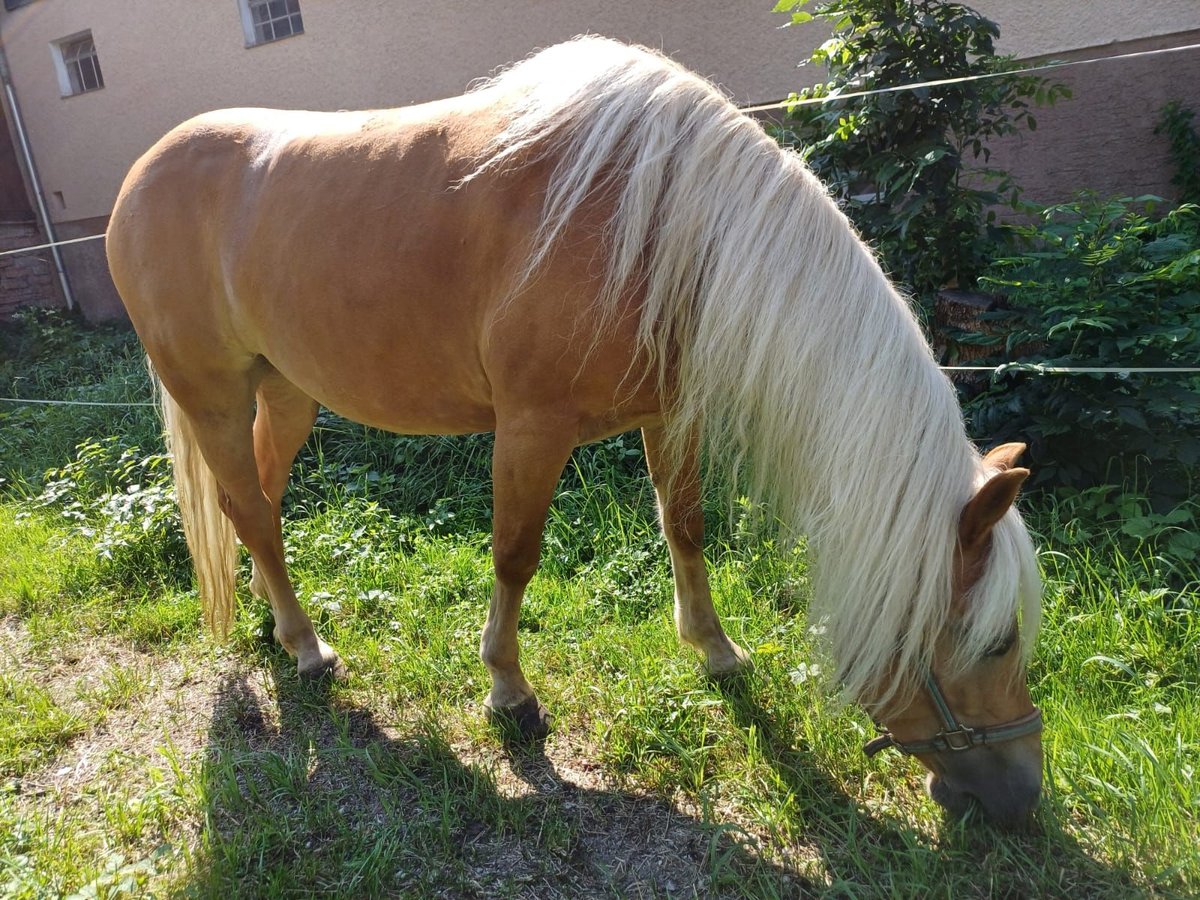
x=1034 y=28
x=1103 y=139
x=170 y=59
x=26 y=279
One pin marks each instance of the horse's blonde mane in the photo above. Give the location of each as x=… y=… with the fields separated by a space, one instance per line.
x=789 y=350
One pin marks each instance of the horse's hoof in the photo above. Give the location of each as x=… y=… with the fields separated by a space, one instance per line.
x=730 y=663
x=328 y=665
x=527 y=722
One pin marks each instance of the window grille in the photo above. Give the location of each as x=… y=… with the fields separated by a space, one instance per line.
x=275 y=19
x=82 y=65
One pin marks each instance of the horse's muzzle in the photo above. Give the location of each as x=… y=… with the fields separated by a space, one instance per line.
x=1006 y=786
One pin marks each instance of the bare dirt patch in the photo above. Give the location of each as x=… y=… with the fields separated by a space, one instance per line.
x=137 y=701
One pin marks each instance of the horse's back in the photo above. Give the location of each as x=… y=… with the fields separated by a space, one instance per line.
x=347 y=251
x=221 y=187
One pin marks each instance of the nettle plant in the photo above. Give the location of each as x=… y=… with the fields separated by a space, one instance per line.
x=910 y=167
x=1104 y=284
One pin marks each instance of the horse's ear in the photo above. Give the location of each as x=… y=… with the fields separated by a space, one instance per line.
x=1004 y=457
x=988 y=507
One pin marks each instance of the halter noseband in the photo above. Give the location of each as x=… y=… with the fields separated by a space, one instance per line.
x=956 y=736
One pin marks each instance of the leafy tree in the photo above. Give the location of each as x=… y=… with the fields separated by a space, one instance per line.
x=898 y=161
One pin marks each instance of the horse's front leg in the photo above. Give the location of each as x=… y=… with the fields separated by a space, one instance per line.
x=526 y=464
x=677 y=484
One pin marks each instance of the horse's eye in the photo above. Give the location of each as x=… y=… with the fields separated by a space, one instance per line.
x=1003 y=646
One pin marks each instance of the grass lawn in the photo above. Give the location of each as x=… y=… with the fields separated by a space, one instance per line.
x=138 y=757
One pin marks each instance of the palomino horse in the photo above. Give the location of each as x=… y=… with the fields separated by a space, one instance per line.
x=593 y=241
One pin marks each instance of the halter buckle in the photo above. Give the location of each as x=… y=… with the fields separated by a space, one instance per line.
x=962 y=738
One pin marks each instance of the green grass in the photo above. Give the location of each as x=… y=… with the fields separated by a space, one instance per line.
x=138 y=757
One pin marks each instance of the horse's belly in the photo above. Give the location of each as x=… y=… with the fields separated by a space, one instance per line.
x=414 y=407
x=417 y=380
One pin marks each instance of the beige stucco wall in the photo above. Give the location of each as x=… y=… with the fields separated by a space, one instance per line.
x=166 y=60
x=1103 y=139
x=1047 y=27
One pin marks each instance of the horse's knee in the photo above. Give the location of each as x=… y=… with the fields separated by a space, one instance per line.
x=515 y=564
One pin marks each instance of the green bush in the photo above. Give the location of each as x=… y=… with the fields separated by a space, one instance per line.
x=910 y=167
x=123 y=501
x=1080 y=519
x=1103 y=284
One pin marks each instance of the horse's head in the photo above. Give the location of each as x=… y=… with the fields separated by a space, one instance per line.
x=972 y=723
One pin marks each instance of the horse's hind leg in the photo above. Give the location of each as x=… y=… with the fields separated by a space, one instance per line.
x=220 y=415
x=282 y=424
x=526 y=464
x=682 y=516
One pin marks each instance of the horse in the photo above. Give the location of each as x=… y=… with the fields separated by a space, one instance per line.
x=591 y=241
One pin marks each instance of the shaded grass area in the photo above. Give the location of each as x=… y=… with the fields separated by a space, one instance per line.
x=138 y=756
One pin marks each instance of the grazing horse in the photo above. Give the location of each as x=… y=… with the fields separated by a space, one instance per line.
x=592 y=241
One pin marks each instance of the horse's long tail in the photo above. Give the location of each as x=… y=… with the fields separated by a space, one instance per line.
x=209 y=533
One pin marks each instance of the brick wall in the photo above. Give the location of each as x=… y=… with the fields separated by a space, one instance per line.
x=26 y=279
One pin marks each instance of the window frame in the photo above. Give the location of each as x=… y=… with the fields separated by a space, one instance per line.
x=68 y=64
x=251 y=27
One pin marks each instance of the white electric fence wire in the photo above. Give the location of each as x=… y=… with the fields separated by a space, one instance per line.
x=918 y=85
x=79 y=240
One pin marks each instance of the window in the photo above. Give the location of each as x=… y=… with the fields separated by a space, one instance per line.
x=270 y=20
x=77 y=64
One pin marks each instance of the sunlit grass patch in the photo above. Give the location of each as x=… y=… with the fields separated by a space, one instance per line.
x=138 y=755
x=38 y=555
x=393 y=781
x=33 y=725
x=1119 y=673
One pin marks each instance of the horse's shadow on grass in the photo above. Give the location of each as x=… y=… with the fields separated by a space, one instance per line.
x=854 y=840
x=305 y=792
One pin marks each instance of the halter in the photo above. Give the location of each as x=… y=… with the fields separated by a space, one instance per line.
x=956 y=736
